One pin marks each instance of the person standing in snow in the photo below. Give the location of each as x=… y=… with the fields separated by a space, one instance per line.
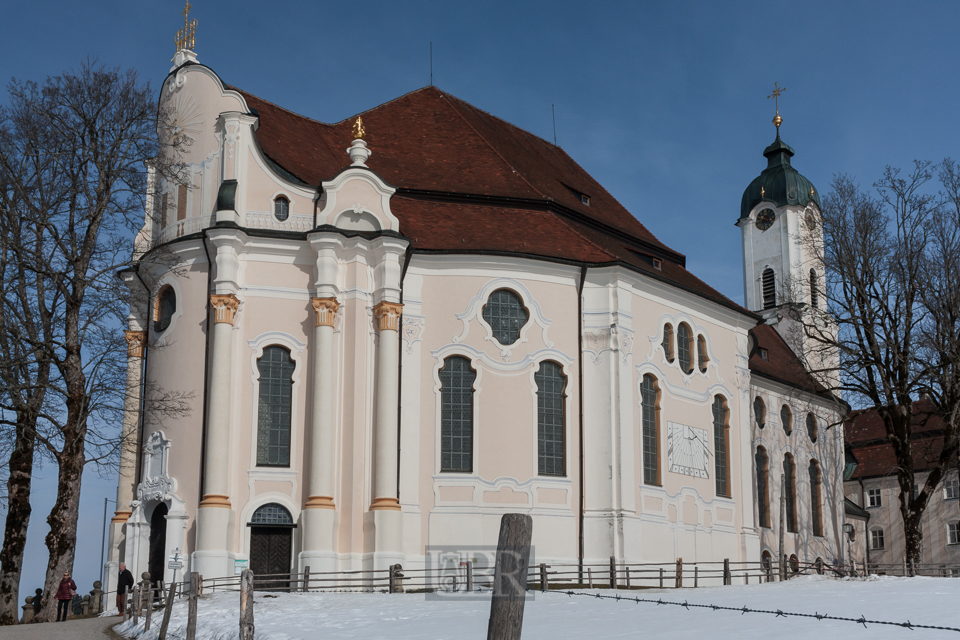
x=124 y=582
x=65 y=593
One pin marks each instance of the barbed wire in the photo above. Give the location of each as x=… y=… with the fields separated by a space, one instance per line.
x=744 y=610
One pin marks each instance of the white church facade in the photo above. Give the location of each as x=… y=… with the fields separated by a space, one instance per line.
x=394 y=336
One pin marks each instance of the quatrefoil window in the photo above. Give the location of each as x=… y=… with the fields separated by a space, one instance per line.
x=506 y=315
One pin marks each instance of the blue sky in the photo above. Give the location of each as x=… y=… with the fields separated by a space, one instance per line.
x=664 y=103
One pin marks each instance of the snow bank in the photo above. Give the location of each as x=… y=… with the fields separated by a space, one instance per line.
x=931 y=601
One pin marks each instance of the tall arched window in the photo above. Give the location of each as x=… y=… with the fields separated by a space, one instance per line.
x=702 y=358
x=786 y=419
x=281 y=208
x=456 y=414
x=164 y=308
x=164 y=208
x=551 y=448
x=506 y=315
x=790 y=491
x=182 y=202
x=759 y=412
x=763 y=483
x=667 y=343
x=650 y=427
x=273 y=415
x=720 y=445
x=812 y=427
x=769 y=288
x=685 y=347
x=814 y=289
x=815 y=512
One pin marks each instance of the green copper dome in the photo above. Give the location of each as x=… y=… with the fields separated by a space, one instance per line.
x=780 y=183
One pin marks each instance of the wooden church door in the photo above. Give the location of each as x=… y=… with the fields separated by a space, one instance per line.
x=158 y=543
x=270 y=549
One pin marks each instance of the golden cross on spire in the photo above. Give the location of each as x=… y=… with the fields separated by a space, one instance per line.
x=187 y=37
x=777 y=90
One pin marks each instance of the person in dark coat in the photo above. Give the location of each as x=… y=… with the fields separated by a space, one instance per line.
x=124 y=582
x=65 y=593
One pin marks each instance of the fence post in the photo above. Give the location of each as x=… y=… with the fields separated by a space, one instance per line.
x=661 y=577
x=543 y=577
x=590 y=576
x=510 y=577
x=195 y=583
x=246 y=605
x=167 y=610
x=613 y=572
x=149 y=614
x=469 y=564
x=913 y=568
x=127 y=594
x=679 y=573
x=727 y=578
x=306 y=579
x=627 y=571
x=746 y=578
x=696 y=576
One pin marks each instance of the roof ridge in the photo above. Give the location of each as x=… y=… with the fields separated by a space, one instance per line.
x=383 y=104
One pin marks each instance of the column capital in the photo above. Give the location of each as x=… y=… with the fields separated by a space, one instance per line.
x=326 y=310
x=388 y=315
x=224 y=306
x=136 y=341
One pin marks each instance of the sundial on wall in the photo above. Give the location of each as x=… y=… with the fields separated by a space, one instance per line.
x=688 y=450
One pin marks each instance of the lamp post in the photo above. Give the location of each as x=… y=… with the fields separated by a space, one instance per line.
x=103 y=535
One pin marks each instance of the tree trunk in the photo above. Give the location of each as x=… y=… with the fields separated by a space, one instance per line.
x=18 y=517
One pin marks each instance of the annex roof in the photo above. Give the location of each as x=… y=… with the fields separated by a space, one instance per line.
x=865 y=433
x=780 y=363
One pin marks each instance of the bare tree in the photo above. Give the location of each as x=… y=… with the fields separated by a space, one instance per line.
x=74 y=157
x=892 y=287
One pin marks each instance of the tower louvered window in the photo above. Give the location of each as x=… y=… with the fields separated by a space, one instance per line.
x=814 y=289
x=550 y=420
x=651 y=430
x=790 y=492
x=274 y=407
x=505 y=314
x=769 y=288
x=763 y=504
x=685 y=348
x=815 y=498
x=181 y=202
x=456 y=415
x=720 y=445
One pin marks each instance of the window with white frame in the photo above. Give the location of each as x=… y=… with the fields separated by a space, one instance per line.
x=873 y=498
x=876 y=539
x=953 y=532
x=951 y=488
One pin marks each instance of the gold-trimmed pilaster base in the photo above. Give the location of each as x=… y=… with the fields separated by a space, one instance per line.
x=385 y=504
x=319 y=502
x=121 y=516
x=216 y=500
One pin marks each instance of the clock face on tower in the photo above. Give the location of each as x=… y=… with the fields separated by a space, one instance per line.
x=765 y=219
x=688 y=451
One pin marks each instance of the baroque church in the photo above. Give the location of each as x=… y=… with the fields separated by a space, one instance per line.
x=401 y=326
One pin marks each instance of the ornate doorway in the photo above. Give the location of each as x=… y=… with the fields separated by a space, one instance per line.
x=271 y=547
x=158 y=543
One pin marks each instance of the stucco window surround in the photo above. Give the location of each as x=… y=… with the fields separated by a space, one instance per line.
x=667 y=341
x=246 y=515
x=281 y=207
x=476 y=435
x=535 y=317
x=297 y=350
x=160 y=338
x=565 y=371
x=759 y=412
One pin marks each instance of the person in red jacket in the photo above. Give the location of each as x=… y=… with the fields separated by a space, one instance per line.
x=65 y=593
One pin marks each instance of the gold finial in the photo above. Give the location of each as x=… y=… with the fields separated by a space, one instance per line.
x=187 y=37
x=358 y=130
x=777 y=90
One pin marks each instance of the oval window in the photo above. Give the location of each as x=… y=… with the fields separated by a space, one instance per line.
x=166 y=305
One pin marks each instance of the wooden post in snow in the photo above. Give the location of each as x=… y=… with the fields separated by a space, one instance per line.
x=306 y=579
x=613 y=572
x=679 y=573
x=469 y=564
x=543 y=577
x=167 y=609
x=510 y=577
x=727 y=578
x=149 y=614
x=192 y=605
x=246 y=605
x=136 y=604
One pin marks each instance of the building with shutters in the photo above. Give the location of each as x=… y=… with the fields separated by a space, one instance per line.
x=403 y=325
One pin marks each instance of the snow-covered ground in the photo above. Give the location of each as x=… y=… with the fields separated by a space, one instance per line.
x=554 y=615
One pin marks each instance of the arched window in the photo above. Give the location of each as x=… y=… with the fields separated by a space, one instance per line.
x=763 y=483
x=812 y=427
x=164 y=308
x=273 y=415
x=786 y=419
x=164 y=208
x=702 y=358
x=759 y=412
x=720 y=445
x=551 y=449
x=769 y=288
x=815 y=512
x=667 y=343
x=814 y=289
x=650 y=427
x=456 y=414
x=273 y=514
x=505 y=314
x=182 y=202
x=281 y=208
x=685 y=347
x=790 y=492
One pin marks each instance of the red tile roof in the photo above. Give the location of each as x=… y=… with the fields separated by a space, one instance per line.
x=781 y=363
x=867 y=436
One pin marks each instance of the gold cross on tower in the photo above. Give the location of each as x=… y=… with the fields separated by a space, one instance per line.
x=777 y=90
x=187 y=37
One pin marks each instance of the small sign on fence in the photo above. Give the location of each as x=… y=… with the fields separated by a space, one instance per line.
x=240 y=565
